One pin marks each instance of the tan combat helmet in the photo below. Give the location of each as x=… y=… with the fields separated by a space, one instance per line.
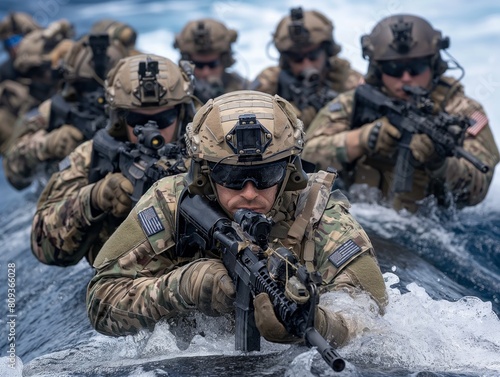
x=245 y=129
x=302 y=29
x=91 y=58
x=34 y=50
x=401 y=37
x=17 y=23
x=206 y=36
x=117 y=31
x=146 y=81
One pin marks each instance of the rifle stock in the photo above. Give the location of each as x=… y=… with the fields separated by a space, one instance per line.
x=242 y=244
x=446 y=131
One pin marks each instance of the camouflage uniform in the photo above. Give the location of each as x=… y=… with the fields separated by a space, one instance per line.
x=134 y=272
x=15 y=101
x=325 y=146
x=64 y=229
x=23 y=160
x=140 y=279
x=207 y=36
x=340 y=77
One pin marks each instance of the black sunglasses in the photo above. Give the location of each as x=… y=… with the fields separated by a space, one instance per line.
x=397 y=68
x=211 y=64
x=299 y=58
x=235 y=177
x=163 y=120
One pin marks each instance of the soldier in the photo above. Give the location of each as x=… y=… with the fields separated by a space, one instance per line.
x=244 y=148
x=404 y=52
x=13 y=28
x=69 y=117
x=34 y=82
x=118 y=31
x=75 y=217
x=207 y=44
x=309 y=73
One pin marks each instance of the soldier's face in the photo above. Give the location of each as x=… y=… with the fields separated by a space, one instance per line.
x=167 y=132
x=248 y=197
x=414 y=73
x=312 y=57
x=207 y=66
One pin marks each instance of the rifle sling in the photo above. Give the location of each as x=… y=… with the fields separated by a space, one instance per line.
x=305 y=220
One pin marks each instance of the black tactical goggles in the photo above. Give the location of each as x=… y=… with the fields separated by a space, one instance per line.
x=163 y=120
x=211 y=64
x=396 y=68
x=235 y=177
x=299 y=57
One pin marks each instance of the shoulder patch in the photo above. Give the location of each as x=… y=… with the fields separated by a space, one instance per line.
x=334 y=107
x=480 y=120
x=64 y=164
x=150 y=222
x=343 y=253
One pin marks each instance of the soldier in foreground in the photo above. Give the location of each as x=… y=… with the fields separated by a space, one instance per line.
x=245 y=154
x=310 y=73
x=366 y=141
x=83 y=203
x=207 y=44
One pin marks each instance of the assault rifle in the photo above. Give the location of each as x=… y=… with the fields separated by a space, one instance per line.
x=87 y=114
x=306 y=90
x=254 y=268
x=142 y=163
x=446 y=131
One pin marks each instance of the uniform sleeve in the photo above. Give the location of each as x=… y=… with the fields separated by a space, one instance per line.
x=63 y=228
x=24 y=154
x=325 y=137
x=136 y=283
x=267 y=81
x=468 y=185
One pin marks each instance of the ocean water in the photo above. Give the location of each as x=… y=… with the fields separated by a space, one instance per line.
x=442 y=268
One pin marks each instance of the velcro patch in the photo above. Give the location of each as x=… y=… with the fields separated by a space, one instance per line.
x=344 y=252
x=150 y=222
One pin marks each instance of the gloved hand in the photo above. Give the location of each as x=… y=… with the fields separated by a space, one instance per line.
x=423 y=151
x=60 y=142
x=112 y=195
x=207 y=285
x=330 y=325
x=380 y=137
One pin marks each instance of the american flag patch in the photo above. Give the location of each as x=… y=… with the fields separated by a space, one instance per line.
x=343 y=253
x=480 y=120
x=150 y=222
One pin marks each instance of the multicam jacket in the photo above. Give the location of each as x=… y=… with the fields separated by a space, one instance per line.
x=23 y=159
x=136 y=284
x=64 y=229
x=325 y=146
x=340 y=78
x=15 y=101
